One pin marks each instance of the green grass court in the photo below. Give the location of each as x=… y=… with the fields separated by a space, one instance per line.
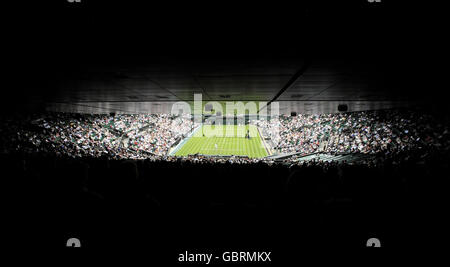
x=230 y=140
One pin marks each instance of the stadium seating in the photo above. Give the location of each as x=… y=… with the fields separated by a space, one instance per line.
x=307 y=201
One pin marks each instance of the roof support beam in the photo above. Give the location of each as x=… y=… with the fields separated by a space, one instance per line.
x=291 y=81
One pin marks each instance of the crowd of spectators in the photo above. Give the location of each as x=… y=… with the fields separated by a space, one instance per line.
x=71 y=173
x=74 y=135
x=78 y=173
x=151 y=136
x=371 y=132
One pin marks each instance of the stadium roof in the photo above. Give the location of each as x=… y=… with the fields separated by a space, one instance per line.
x=154 y=88
x=100 y=57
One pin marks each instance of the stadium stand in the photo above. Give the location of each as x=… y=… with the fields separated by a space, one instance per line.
x=369 y=174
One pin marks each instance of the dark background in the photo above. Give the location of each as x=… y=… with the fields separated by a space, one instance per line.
x=46 y=41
